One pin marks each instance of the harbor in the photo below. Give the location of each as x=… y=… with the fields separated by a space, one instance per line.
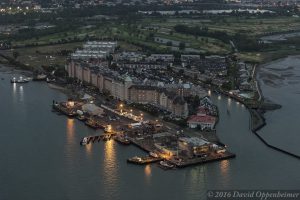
x=103 y=166
x=173 y=149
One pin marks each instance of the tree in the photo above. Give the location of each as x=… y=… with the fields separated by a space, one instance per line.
x=16 y=54
x=181 y=45
x=169 y=43
x=110 y=59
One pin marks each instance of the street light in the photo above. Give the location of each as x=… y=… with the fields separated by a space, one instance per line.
x=121 y=106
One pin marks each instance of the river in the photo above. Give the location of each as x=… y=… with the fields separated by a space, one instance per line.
x=41 y=157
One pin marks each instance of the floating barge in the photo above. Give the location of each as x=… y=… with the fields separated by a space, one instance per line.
x=93 y=124
x=143 y=160
x=95 y=138
x=64 y=110
x=199 y=160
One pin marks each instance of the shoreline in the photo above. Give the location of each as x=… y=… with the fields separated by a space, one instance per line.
x=258 y=120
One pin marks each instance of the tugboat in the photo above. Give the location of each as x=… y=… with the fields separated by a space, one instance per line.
x=135 y=159
x=84 y=141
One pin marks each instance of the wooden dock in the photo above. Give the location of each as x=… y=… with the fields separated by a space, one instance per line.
x=96 y=138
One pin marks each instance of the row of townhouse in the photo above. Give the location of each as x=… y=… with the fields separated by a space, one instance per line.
x=159 y=97
x=117 y=86
x=123 y=88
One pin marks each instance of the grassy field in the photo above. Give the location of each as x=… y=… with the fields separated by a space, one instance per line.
x=141 y=34
x=43 y=55
x=233 y=25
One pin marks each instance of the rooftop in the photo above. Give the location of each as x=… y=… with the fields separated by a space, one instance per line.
x=202 y=119
x=195 y=141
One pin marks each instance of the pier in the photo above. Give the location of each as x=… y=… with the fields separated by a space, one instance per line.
x=96 y=138
x=145 y=137
x=199 y=160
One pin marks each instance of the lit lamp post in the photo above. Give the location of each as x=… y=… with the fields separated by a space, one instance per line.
x=142 y=116
x=70 y=104
x=131 y=113
x=121 y=107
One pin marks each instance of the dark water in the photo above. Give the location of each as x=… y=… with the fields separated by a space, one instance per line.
x=280 y=83
x=41 y=157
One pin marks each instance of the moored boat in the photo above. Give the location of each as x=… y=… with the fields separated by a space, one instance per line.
x=122 y=140
x=84 y=141
x=20 y=80
x=135 y=159
x=92 y=124
x=40 y=77
x=166 y=164
x=154 y=155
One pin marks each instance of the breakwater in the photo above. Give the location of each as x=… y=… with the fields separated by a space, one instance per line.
x=258 y=122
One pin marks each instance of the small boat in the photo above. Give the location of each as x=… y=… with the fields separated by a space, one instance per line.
x=20 y=80
x=154 y=155
x=81 y=117
x=135 y=159
x=40 y=77
x=228 y=113
x=84 y=141
x=48 y=80
x=166 y=164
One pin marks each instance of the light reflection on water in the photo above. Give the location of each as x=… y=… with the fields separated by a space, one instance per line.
x=148 y=170
x=224 y=166
x=88 y=149
x=148 y=173
x=229 y=102
x=70 y=131
x=14 y=88
x=21 y=93
x=70 y=141
x=110 y=164
x=195 y=180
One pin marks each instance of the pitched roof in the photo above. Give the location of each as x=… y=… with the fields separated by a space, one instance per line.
x=202 y=119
